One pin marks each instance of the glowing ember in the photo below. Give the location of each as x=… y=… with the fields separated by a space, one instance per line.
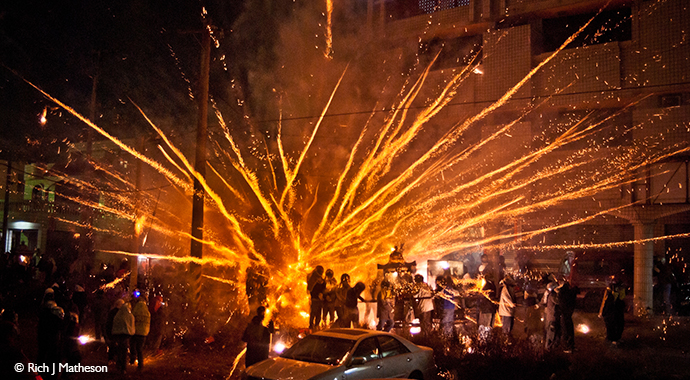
x=42 y=119
x=84 y=339
x=583 y=328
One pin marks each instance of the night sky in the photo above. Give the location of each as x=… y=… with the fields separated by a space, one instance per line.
x=145 y=51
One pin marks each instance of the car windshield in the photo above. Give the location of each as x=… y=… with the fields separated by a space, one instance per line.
x=319 y=349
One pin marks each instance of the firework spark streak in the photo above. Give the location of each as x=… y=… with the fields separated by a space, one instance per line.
x=236 y=362
x=112 y=284
x=329 y=32
x=383 y=187
x=609 y=245
x=183 y=260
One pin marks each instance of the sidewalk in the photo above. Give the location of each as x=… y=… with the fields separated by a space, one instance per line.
x=653 y=348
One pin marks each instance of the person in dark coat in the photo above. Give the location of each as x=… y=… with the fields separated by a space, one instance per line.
x=99 y=308
x=316 y=286
x=258 y=338
x=567 y=298
x=340 y=296
x=552 y=317
x=50 y=328
x=613 y=311
x=157 y=323
x=351 y=310
x=79 y=299
x=487 y=301
x=532 y=313
x=70 y=341
x=10 y=351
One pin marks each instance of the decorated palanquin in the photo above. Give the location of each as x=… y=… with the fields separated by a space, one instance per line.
x=397 y=263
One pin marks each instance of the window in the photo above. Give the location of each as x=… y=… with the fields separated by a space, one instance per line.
x=401 y=9
x=319 y=349
x=391 y=346
x=609 y=26
x=431 y=6
x=455 y=52
x=367 y=350
x=37 y=193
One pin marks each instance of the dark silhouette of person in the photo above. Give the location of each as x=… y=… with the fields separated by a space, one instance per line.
x=50 y=328
x=351 y=310
x=613 y=311
x=258 y=338
x=10 y=351
x=552 y=317
x=340 y=296
x=316 y=286
x=567 y=297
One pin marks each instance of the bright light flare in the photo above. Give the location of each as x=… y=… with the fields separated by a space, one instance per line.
x=84 y=339
x=42 y=119
x=583 y=328
x=139 y=225
x=279 y=347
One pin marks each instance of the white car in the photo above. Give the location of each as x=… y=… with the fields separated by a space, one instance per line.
x=347 y=354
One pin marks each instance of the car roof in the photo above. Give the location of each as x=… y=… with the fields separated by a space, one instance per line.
x=352 y=334
x=357 y=334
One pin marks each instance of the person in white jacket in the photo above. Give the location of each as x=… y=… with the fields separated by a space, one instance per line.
x=425 y=303
x=123 y=329
x=142 y=326
x=507 y=303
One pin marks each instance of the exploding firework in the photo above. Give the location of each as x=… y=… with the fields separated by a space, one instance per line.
x=339 y=186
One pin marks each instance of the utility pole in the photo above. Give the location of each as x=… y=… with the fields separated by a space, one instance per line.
x=6 y=205
x=86 y=238
x=136 y=239
x=200 y=167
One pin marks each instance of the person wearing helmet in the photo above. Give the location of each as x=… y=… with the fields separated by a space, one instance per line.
x=613 y=310
x=340 y=296
x=316 y=285
x=354 y=294
x=425 y=303
x=552 y=317
x=329 y=298
x=507 y=304
x=385 y=304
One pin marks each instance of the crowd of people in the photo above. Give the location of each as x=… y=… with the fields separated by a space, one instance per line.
x=68 y=310
x=332 y=302
x=547 y=304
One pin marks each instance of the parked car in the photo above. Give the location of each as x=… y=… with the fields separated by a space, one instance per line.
x=347 y=354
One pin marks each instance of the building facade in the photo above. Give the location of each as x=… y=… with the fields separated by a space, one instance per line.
x=631 y=63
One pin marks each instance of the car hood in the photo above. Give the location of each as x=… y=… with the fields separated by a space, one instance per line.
x=281 y=368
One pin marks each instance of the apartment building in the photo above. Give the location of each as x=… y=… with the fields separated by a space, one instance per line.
x=630 y=67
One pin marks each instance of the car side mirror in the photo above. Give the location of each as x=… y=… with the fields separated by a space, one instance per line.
x=359 y=360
